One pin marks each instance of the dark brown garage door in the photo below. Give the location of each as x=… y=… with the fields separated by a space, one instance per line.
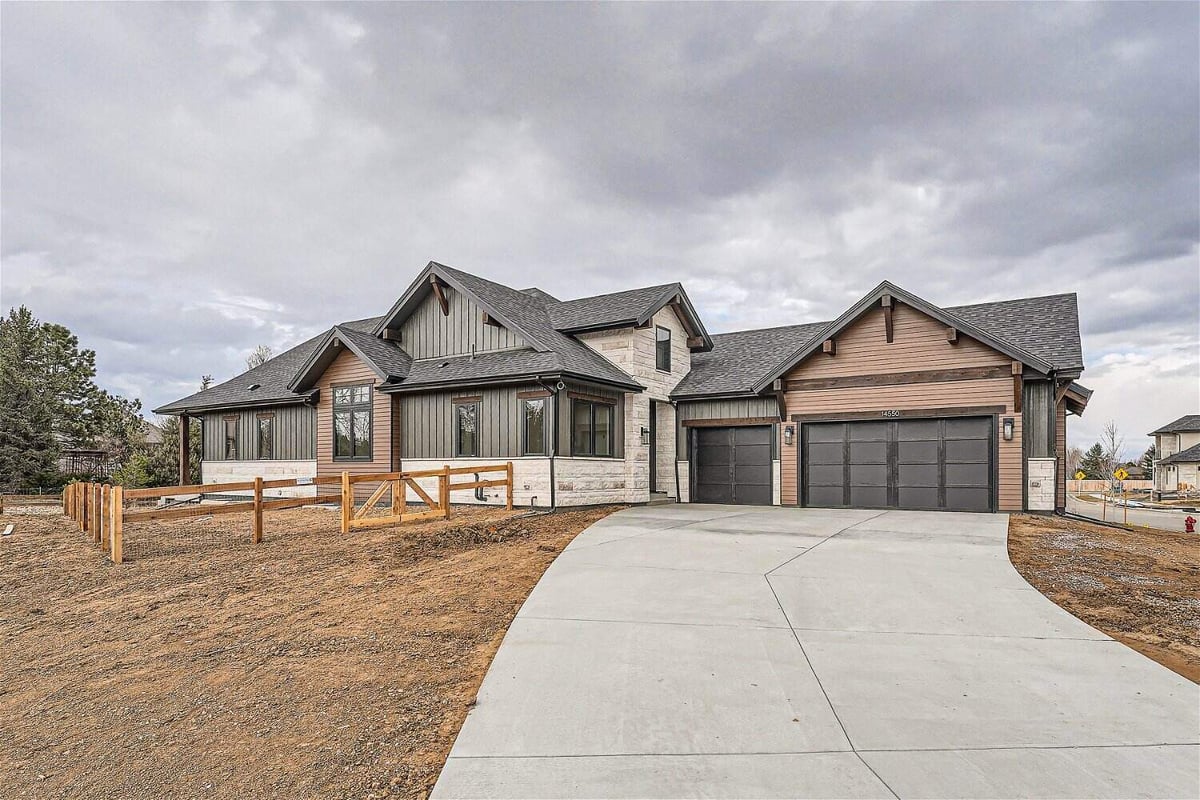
x=930 y=464
x=732 y=465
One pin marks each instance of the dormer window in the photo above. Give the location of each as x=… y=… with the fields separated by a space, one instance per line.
x=662 y=348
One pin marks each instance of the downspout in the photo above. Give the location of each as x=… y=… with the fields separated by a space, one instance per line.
x=553 y=390
x=675 y=434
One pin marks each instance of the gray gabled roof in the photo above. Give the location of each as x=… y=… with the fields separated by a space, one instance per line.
x=384 y=358
x=626 y=308
x=742 y=362
x=1188 y=456
x=739 y=360
x=1186 y=423
x=272 y=377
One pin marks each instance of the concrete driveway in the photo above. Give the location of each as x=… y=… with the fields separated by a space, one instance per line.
x=721 y=651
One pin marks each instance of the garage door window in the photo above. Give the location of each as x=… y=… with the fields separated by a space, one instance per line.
x=591 y=428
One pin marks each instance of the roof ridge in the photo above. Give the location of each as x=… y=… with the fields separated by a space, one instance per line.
x=621 y=291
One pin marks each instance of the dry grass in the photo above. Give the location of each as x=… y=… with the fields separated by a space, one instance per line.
x=1141 y=586
x=311 y=665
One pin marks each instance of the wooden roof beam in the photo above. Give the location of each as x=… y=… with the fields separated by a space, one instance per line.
x=952 y=335
x=488 y=319
x=886 y=300
x=829 y=347
x=1018 y=385
x=439 y=289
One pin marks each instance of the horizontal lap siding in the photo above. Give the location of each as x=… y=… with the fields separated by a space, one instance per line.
x=919 y=344
x=346 y=369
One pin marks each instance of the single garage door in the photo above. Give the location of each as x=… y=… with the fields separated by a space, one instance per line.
x=929 y=464
x=732 y=465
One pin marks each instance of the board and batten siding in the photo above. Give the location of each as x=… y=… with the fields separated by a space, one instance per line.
x=426 y=429
x=428 y=333
x=918 y=344
x=725 y=408
x=295 y=433
x=348 y=369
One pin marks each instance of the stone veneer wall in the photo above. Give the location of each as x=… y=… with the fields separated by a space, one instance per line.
x=531 y=480
x=236 y=471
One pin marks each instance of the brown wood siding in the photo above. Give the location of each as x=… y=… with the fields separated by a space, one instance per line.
x=919 y=343
x=347 y=369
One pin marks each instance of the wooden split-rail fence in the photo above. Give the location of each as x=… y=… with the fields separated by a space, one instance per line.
x=101 y=509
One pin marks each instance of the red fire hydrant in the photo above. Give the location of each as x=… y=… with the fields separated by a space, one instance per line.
x=1189 y=524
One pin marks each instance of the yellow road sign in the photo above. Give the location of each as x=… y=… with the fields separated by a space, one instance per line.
x=1080 y=475
x=1120 y=474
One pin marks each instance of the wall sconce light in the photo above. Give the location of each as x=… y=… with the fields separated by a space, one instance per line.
x=1008 y=429
x=789 y=434
x=645 y=436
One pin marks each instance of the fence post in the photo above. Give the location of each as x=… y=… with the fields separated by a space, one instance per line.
x=97 y=511
x=397 y=498
x=105 y=514
x=64 y=502
x=258 y=510
x=444 y=490
x=114 y=536
x=83 y=507
x=510 y=487
x=347 y=502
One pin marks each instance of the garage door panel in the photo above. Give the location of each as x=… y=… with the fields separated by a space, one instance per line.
x=869 y=496
x=945 y=463
x=832 y=453
x=868 y=475
x=967 y=475
x=868 y=431
x=918 y=497
x=917 y=475
x=868 y=452
x=917 y=452
x=733 y=465
x=968 y=499
x=977 y=450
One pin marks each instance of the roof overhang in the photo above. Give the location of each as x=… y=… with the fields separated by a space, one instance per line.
x=507 y=380
x=875 y=298
x=674 y=295
x=300 y=399
x=323 y=355
x=423 y=286
x=1077 y=398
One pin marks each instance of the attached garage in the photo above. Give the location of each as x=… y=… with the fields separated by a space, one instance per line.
x=732 y=464
x=945 y=464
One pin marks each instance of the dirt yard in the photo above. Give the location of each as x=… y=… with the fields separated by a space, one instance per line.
x=1140 y=586
x=311 y=665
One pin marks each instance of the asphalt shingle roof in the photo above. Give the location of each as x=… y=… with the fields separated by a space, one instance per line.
x=273 y=377
x=605 y=309
x=436 y=371
x=1186 y=423
x=739 y=360
x=388 y=357
x=1047 y=327
x=1187 y=456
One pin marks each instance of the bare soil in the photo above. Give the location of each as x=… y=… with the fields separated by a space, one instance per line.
x=1139 y=585
x=310 y=665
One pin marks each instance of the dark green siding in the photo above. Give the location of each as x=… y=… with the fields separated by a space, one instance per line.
x=429 y=333
x=426 y=422
x=1037 y=419
x=295 y=433
x=730 y=408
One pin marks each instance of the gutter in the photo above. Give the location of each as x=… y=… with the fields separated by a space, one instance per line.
x=167 y=411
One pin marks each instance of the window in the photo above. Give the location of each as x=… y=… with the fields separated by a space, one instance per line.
x=662 y=349
x=535 y=426
x=231 y=438
x=266 y=435
x=466 y=428
x=591 y=428
x=352 y=423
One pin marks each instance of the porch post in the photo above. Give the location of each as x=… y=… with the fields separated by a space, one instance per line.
x=185 y=462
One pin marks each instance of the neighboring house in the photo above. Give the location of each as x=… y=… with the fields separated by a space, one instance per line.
x=623 y=397
x=1177 y=454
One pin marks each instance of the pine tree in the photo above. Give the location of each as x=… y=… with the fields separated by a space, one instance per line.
x=1147 y=462
x=28 y=448
x=1092 y=462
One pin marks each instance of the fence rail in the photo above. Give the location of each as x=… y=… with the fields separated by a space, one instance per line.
x=1104 y=485
x=100 y=509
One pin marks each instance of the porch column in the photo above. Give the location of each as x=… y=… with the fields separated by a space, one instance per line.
x=185 y=461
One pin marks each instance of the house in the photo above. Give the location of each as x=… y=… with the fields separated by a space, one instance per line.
x=626 y=397
x=1177 y=454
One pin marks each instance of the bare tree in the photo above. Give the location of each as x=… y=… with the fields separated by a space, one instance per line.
x=260 y=356
x=1074 y=457
x=1112 y=442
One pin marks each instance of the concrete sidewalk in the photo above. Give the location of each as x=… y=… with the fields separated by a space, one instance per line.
x=721 y=651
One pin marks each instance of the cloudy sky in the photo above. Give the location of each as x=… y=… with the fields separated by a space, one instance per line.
x=183 y=182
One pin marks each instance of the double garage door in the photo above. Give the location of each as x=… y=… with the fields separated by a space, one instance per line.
x=930 y=464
